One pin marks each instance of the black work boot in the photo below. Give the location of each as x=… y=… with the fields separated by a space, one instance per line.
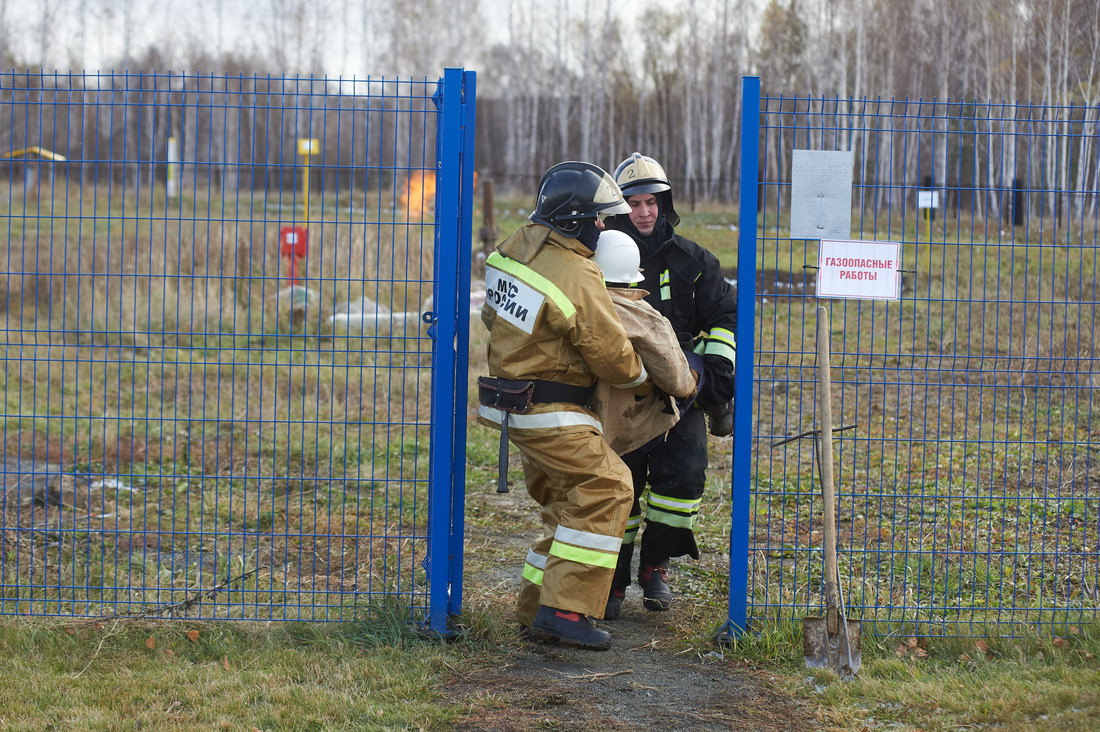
x=656 y=594
x=614 y=604
x=572 y=628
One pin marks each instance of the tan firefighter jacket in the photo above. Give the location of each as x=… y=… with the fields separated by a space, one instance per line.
x=630 y=421
x=549 y=317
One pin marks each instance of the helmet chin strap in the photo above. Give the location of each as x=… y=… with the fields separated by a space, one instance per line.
x=589 y=235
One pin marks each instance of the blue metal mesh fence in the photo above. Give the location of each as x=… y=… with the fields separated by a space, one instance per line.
x=969 y=487
x=216 y=299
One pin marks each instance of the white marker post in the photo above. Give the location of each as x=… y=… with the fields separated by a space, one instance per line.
x=927 y=202
x=172 y=187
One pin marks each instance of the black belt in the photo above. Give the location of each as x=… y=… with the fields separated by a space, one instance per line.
x=548 y=392
x=516 y=397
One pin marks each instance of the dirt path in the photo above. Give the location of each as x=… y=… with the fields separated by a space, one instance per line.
x=645 y=681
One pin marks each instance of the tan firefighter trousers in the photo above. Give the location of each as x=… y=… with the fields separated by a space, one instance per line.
x=585 y=491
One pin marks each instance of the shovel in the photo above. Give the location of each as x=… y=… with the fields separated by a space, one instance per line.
x=829 y=642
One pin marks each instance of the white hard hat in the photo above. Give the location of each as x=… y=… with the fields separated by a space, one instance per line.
x=618 y=257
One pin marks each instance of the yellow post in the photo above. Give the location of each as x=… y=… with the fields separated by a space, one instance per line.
x=306 y=147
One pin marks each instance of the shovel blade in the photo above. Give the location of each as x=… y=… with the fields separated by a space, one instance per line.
x=823 y=649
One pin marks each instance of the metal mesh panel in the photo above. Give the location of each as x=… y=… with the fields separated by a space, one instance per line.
x=217 y=368
x=969 y=490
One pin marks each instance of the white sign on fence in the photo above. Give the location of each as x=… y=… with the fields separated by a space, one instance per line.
x=928 y=199
x=862 y=270
x=821 y=194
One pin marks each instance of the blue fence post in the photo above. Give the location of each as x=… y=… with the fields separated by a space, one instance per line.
x=450 y=328
x=743 y=375
x=462 y=340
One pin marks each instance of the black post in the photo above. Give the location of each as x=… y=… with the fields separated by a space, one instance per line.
x=1019 y=202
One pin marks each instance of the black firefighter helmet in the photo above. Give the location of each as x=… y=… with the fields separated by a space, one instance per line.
x=572 y=194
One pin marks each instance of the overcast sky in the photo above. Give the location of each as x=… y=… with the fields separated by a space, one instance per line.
x=91 y=34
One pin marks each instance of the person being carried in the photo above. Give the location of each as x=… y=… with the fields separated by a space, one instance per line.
x=553 y=332
x=631 y=421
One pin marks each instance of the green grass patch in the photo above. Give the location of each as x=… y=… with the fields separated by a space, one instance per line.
x=104 y=675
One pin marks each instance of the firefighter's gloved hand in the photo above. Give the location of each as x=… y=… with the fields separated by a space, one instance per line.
x=720 y=418
x=717 y=381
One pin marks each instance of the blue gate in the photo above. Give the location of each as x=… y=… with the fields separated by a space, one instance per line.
x=233 y=344
x=969 y=489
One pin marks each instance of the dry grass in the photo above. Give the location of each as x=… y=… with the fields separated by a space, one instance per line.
x=139 y=272
x=967 y=492
x=148 y=340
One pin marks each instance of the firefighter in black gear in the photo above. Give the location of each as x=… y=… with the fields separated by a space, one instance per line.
x=686 y=285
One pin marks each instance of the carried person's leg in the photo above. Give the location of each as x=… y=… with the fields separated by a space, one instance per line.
x=638 y=463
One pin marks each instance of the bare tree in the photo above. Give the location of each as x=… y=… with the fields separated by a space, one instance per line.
x=7 y=53
x=293 y=34
x=46 y=17
x=453 y=24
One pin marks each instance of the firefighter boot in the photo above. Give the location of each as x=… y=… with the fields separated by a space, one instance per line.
x=614 y=604
x=572 y=628
x=619 y=583
x=657 y=595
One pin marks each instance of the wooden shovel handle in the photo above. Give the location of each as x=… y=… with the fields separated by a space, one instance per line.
x=826 y=412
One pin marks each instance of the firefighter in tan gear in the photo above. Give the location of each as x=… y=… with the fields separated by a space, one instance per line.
x=552 y=333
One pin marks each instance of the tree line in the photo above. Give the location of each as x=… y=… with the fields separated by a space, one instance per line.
x=597 y=80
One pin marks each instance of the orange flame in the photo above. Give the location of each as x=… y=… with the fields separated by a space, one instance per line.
x=419 y=194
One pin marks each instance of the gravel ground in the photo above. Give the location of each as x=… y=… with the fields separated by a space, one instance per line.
x=647 y=680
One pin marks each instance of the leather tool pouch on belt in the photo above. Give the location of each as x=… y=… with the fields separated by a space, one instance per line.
x=510 y=397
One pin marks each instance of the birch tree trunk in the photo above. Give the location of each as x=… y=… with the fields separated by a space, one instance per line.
x=943 y=97
x=586 y=85
x=1087 y=168
x=231 y=164
x=691 y=116
x=716 y=103
x=564 y=91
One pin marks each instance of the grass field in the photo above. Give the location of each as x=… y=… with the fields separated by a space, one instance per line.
x=245 y=429
x=215 y=428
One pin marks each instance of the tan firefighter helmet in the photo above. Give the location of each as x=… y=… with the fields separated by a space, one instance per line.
x=640 y=174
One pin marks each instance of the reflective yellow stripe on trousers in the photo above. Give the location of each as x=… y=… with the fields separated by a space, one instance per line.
x=534 y=568
x=584 y=547
x=679 y=512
